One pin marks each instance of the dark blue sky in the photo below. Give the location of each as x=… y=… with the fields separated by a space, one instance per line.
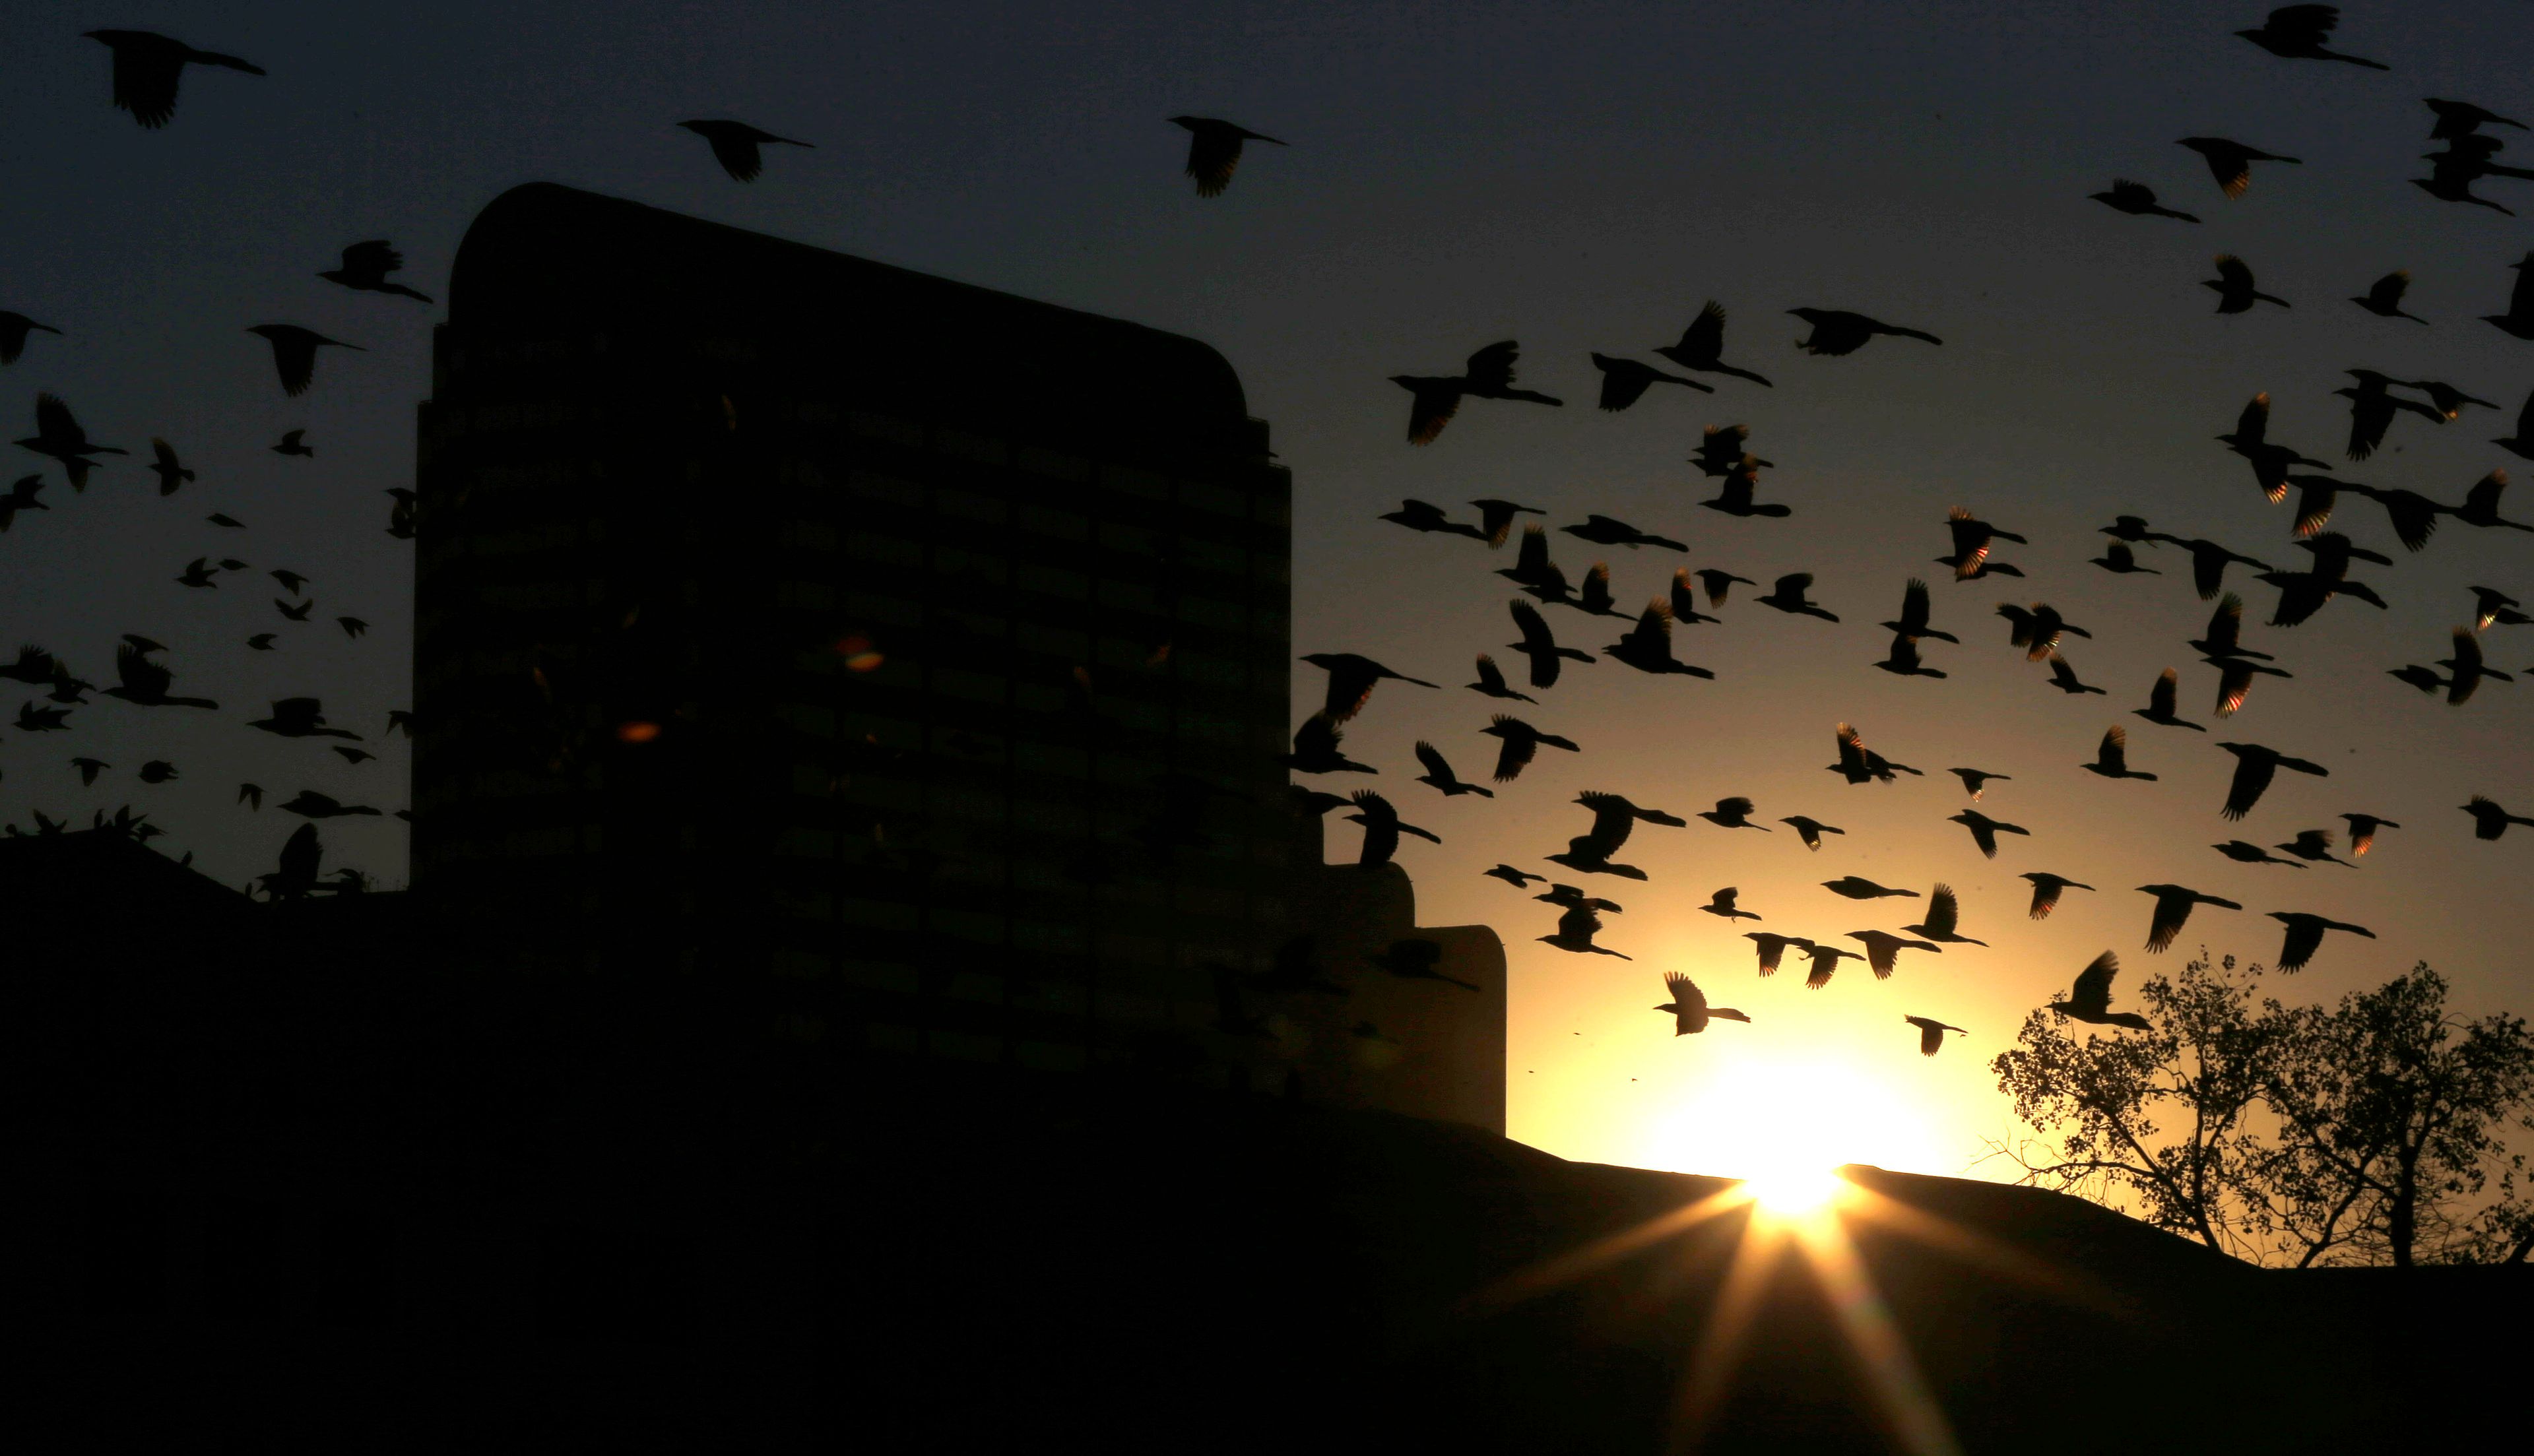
x=1578 y=177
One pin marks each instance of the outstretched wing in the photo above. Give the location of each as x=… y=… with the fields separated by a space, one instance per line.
x=1491 y=367
x=2094 y=983
x=1944 y=911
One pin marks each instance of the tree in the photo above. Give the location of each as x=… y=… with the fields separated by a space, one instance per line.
x=2369 y=1131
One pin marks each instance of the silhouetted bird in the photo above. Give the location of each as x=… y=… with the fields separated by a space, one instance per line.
x=1943 y=915
x=2038 y=629
x=292 y=581
x=260 y=641
x=309 y=803
x=88 y=769
x=2254 y=766
x=353 y=627
x=2489 y=818
x=1685 y=600
x=1610 y=531
x=1533 y=569
x=294 y=442
x=1825 y=961
x=1972 y=539
x=2173 y=906
x=1647 y=647
x=1721 y=451
x=1439 y=774
x=2462 y=119
x=298 y=613
x=1689 y=1008
x=2270 y=462
x=354 y=755
x=2063 y=676
x=2118 y=560
x=1488 y=375
x=1316 y=751
x=2208 y=563
x=156 y=771
x=251 y=795
x=1540 y=646
x=65 y=688
x=294 y=353
x=2446 y=398
x=2384 y=297
x=33 y=665
x=1912 y=621
x=198 y=575
x=1772 y=947
x=401 y=516
x=1575 y=931
x=2129 y=528
x=171 y=471
x=297 y=875
x=2362 y=832
x=35 y=720
x=1731 y=813
x=2243 y=854
x=1857 y=886
x=1722 y=903
x=60 y=437
x=1491 y=681
x=2465 y=669
x=1214 y=150
x=2112 y=756
x=1567 y=897
x=2521 y=443
x=1351 y=681
x=1594 y=598
x=2480 y=506
x=2518 y=321
x=2296 y=32
x=230 y=522
x=1519 y=742
x=1976 y=780
x=1788 y=596
x=147 y=68
x=1836 y=331
x=2234 y=287
x=1902 y=658
x=365 y=268
x=1701 y=346
x=2091 y=999
x=300 y=717
x=1624 y=380
x=2372 y=408
x=1382 y=827
x=738 y=147
x=1931 y=1034
x=2314 y=844
x=1518 y=879
x=144 y=682
x=1422 y=515
x=2426 y=680
x=1735 y=498
x=2230 y=163
x=1810 y=831
x=2449 y=180
x=2046 y=892
x=401 y=721
x=1718 y=583
x=14 y=328
x=1858 y=763
x=22 y=496
x=2137 y=200
x=1882 y=949
x=1495 y=520
x=2305 y=937
x=1984 y=830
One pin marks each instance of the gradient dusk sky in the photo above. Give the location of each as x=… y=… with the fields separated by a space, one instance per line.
x=1575 y=176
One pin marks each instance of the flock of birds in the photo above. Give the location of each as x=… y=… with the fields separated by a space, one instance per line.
x=148 y=69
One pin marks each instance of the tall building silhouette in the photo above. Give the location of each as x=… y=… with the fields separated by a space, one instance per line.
x=906 y=658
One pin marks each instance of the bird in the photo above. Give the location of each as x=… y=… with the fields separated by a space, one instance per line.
x=296 y=875
x=1575 y=931
x=2518 y=321
x=21 y=497
x=145 y=681
x=2112 y=756
x=2118 y=560
x=2225 y=637
x=171 y=471
x=401 y=516
x=2173 y=906
x=1772 y=947
x=292 y=581
x=144 y=644
x=738 y=147
x=353 y=627
x=1731 y=813
x=1647 y=647
x=1972 y=538
x=1902 y=658
x=1788 y=596
x=260 y=641
x=2247 y=853
x=2479 y=507
x=228 y=522
x=2230 y=163
x=354 y=755
x=2463 y=118
x=2137 y=200
x=2046 y=888
x=199 y=573
x=294 y=354
x=2063 y=676
x=2091 y=998
x=1624 y=382
x=1810 y=831
x=1824 y=960
x=1836 y=331
x=2521 y=443
x=88 y=769
x=1689 y=1008
x=1857 y=886
x=2451 y=178
x=1594 y=598
x=1722 y=903
x=1722 y=450
x=2234 y=287
x=32 y=666
x=309 y=803
x=2208 y=563
x=1610 y=531
x=1685 y=600
x=2444 y=397
x=2296 y=32
x=1858 y=763
x=299 y=717
x=35 y=720
x=2362 y=832
x=2465 y=669
x=1531 y=568
x=1567 y=897
x=156 y=771
x=1519 y=742
x=2254 y=766
x=2372 y=407
x=1882 y=949
x=1538 y=646
x=147 y=68
x=1942 y=918
x=298 y=613
x=1976 y=780
x=1518 y=879
x=1214 y=150
x=1701 y=349
x=1915 y=607
x=1439 y=775
x=1492 y=683
x=2305 y=937
x=2490 y=819
x=2384 y=297
x=1382 y=827
x=1718 y=584
x=2038 y=629
x=2426 y=680
x=1735 y=498
x=1495 y=519
x=251 y=795
x=1931 y=1034
x=1425 y=515
x=1488 y=375
x=14 y=328
x=1315 y=747
x=1984 y=830
x=2314 y=844
x=2270 y=462
x=59 y=436
x=1351 y=681
x=365 y=268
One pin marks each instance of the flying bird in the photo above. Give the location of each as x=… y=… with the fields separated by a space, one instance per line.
x=1810 y=831
x=1540 y=646
x=1647 y=647
x=1772 y=947
x=2270 y=462
x=1495 y=519
x=88 y=769
x=1788 y=596
x=738 y=147
x=1382 y=827
x=1984 y=830
x=1882 y=949
x=1858 y=763
x=1425 y=515
x=20 y=495
x=1518 y=879
x=2490 y=819
x=2112 y=756
x=1214 y=150
x=1836 y=332
x=35 y=720
x=2362 y=832
x=298 y=613
x=198 y=573
x=365 y=268
x=1857 y=886
x=1723 y=449
x=1824 y=960
x=2384 y=297
x=2247 y=853
x=1722 y=903
x=1610 y=531
x=2465 y=669
x=2254 y=766
x=2091 y=999
x=2296 y=32
x=1492 y=683
x=2314 y=844
x=2462 y=119
x=2305 y=937
x=1972 y=538
x=1518 y=744
x=2208 y=563
x=2137 y=200
x=1913 y=619
x=2518 y=321
x=1701 y=349
x=2480 y=508
x=1685 y=600
x=1575 y=931
x=1624 y=382
x=2046 y=892
x=1731 y=813
x=60 y=437
x=353 y=627
x=251 y=795
x=1689 y=1008
x=2372 y=407
x=2234 y=287
x=2173 y=906
x=2063 y=676
x=1351 y=681
x=147 y=68
x=1315 y=747
x=310 y=804
x=262 y=641
x=1738 y=496
x=146 y=680
x=294 y=354
x=299 y=717
x=1439 y=774
x=2118 y=560
x=14 y=328
x=2230 y=163
x=1488 y=375
x=2038 y=629
x=1943 y=919
x=1976 y=780
x=228 y=522
x=171 y=472
x=1902 y=658
x=1931 y=1034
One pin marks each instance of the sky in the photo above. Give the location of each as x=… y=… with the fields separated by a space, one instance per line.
x=1579 y=176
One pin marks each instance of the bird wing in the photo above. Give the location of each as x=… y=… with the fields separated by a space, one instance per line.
x=2114 y=753
x=1851 y=755
x=2253 y=775
x=374 y=259
x=2172 y=907
x=1514 y=752
x=142 y=676
x=1213 y=152
x=2093 y=988
x=1914 y=607
x=1944 y=911
x=1430 y=407
x=1490 y=676
x=1350 y=687
x=1491 y=367
x=2305 y=937
x=2164 y=696
x=1704 y=339
x=1684 y=991
x=144 y=81
x=1794 y=585
x=301 y=855
x=1623 y=381
x=294 y=358
x=1432 y=758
